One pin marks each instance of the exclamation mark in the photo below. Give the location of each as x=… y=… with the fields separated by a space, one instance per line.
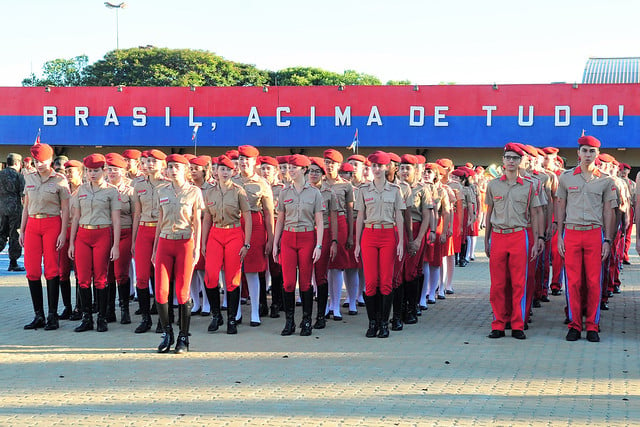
x=620 y=115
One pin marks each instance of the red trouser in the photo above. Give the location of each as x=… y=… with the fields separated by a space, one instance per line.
x=532 y=285
x=508 y=265
x=223 y=251
x=92 y=256
x=144 y=248
x=378 y=251
x=256 y=260
x=40 y=237
x=296 y=253
x=583 y=251
x=434 y=252
x=341 y=261
x=413 y=264
x=351 y=259
x=174 y=258
x=627 y=237
x=121 y=266
x=557 y=262
x=398 y=264
x=321 y=266
x=64 y=262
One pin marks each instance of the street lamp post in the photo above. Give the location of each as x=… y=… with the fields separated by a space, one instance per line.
x=117 y=7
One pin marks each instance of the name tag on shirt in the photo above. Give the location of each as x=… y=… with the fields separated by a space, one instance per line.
x=572 y=188
x=164 y=200
x=369 y=199
x=497 y=198
x=30 y=187
x=288 y=201
x=82 y=196
x=142 y=191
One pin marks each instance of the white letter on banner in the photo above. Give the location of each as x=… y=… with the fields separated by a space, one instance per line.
x=605 y=115
x=254 y=117
x=49 y=116
x=489 y=109
x=167 y=116
x=521 y=121
x=374 y=116
x=191 y=122
x=343 y=119
x=81 y=116
x=279 y=121
x=412 y=116
x=111 y=117
x=438 y=117
x=312 y=116
x=567 y=115
x=139 y=116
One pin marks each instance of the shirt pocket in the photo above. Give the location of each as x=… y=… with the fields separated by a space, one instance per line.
x=388 y=205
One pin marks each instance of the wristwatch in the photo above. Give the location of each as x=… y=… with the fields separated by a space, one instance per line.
x=318 y=246
x=247 y=245
x=334 y=241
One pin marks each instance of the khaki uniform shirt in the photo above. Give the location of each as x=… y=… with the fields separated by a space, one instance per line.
x=356 y=190
x=380 y=206
x=585 y=199
x=344 y=193
x=126 y=203
x=95 y=206
x=510 y=202
x=177 y=209
x=225 y=205
x=45 y=196
x=440 y=198
x=276 y=188
x=145 y=193
x=258 y=191
x=419 y=199
x=537 y=185
x=299 y=209
x=329 y=202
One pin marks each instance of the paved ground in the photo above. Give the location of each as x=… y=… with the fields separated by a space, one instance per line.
x=442 y=371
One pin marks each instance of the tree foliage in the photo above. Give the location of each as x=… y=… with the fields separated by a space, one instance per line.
x=151 y=66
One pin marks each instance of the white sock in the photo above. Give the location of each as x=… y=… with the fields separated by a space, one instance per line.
x=449 y=266
x=253 y=283
x=206 y=307
x=441 y=282
x=467 y=255
x=425 y=285
x=132 y=279
x=361 y=285
x=221 y=282
x=195 y=292
x=434 y=278
x=335 y=279
x=472 y=252
x=351 y=281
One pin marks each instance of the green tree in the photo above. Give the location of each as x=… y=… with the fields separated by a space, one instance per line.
x=399 y=82
x=311 y=76
x=60 y=72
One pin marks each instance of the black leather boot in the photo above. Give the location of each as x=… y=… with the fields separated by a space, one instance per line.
x=276 y=297
x=263 y=307
x=143 y=300
x=123 y=296
x=35 y=288
x=387 y=302
x=53 y=290
x=77 y=311
x=87 y=309
x=323 y=295
x=398 y=306
x=307 y=311
x=213 y=295
x=167 y=336
x=370 y=304
x=111 y=303
x=65 y=291
x=233 y=302
x=289 y=300
x=103 y=301
x=182 y=346
x=94 y=307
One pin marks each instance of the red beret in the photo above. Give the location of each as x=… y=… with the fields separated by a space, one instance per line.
x=226 y=161
x=131 y=154
x=529 y=149
x=268 y=160
x=468 y=170
x=347 y=167
x=42 y=152
x=394 y=157
x=550 y=150
x=248 y=151
x=459 y=172
x=469 y=165
x=615 y=162
x=357 y=158
x=145 y=154
x=367 y=162
x=379 y=157
x=606 y=158
x=589 y=140
x=200 y=161
x=189 y=156
x=559 y=160
x=445 y=163
x=116 y=160
x=282 y=159
x=409 y=159
x=214 y=160
x=299 y=160
x=421 y=159
x=28 y=159
x=177 y=158
x=333 y=155
x=319 y=162
x=625 y=166
x=157 y=154
x=435 y=167
x=515 y=147
x=71 y=164
x=94 y=161
x=232 y=154
x=540 y=151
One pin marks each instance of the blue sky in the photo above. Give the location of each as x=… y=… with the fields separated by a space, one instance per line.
x=426 y=41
